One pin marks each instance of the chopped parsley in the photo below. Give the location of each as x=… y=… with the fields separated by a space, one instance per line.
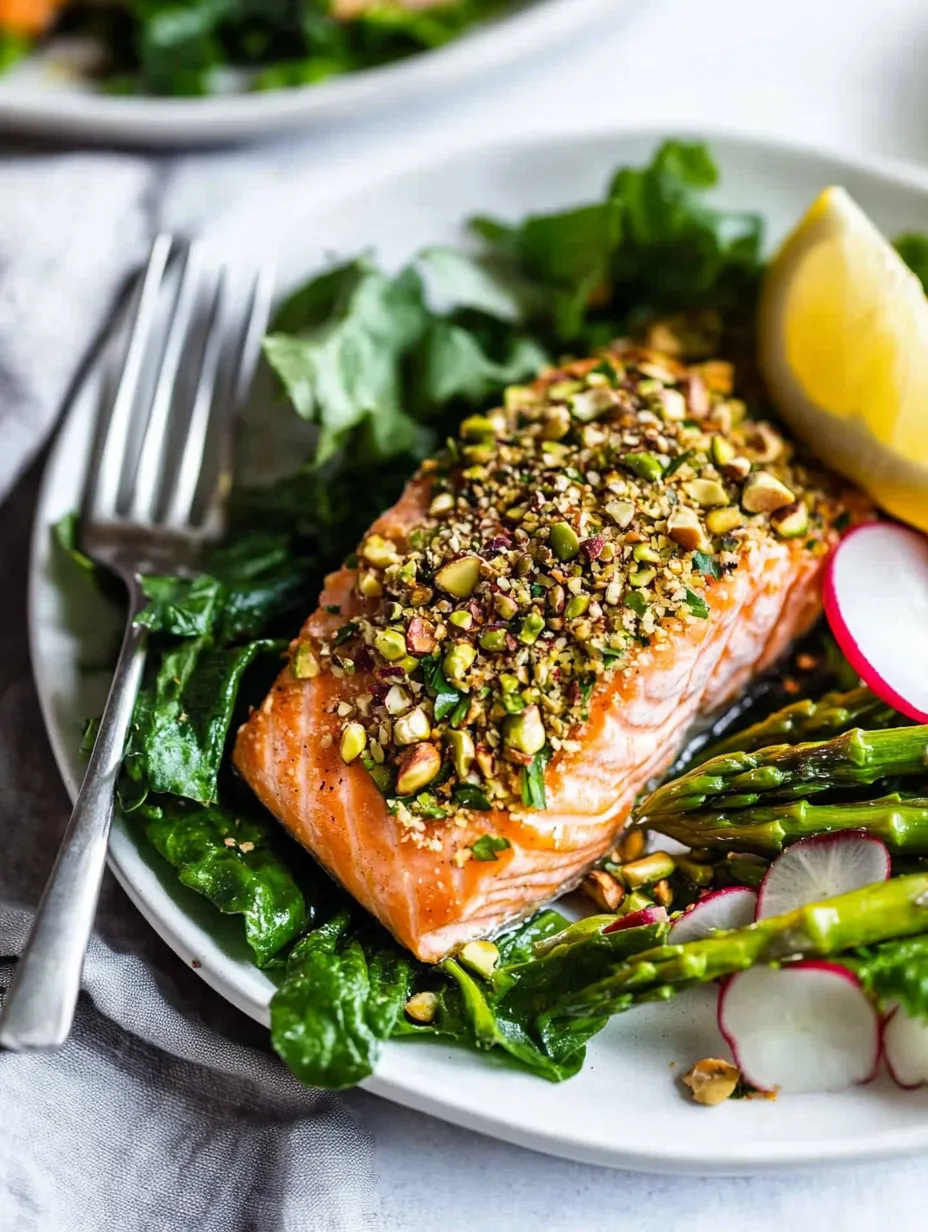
x=487 y=845
x=706 y=564
x=697 y=605
x=533 y=781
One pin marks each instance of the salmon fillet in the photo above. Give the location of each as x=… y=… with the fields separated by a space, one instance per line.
x=722 y=607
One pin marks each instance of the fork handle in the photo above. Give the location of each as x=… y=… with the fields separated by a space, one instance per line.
x=39 y=1007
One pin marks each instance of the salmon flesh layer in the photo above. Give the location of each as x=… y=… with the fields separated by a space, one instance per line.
x=530 y=634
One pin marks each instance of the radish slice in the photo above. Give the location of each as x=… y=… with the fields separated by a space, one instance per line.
x=905 y=1047
x=732 y=907
x=822 y=867
x=807 y=1027
x=637 y=919
x=876 y=601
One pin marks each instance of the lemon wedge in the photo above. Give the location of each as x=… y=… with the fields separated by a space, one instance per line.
x=843 y=347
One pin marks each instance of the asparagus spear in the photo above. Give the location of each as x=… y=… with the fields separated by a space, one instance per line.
x=789 y=772
x=895 y=908
x=767 y=829
x=831 y=715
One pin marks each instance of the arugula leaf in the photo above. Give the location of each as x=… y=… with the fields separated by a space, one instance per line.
x=487 y=845
x=455 y=365
x=178 y=733
x=533 y=781
x=339 y=1001
x=653 y=244
x=228 y=858
x=344 y=369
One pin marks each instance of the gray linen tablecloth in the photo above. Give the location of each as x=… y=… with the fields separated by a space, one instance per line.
x=166 y=1111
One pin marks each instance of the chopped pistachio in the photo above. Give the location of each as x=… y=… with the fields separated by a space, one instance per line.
x=764 y=493
x=441 y=504
x=605 y=891
x=644 y=465
x=417 y=767
x=506 y=606
x=685 y=528
x=391 y=644
x=564 y=541
x=722 y=450
x=577 y=606
x=352 y=743
x=380 y=552
x=463 y=751
x=461 y=619
x=459 y=577
x=422 y=1007
x=589 y=404
x=525 y=731
x=721 y=521
x=648 y=869
x=303 y=663
x=370 y=586
x=712 y=1081
x=397 y=701
x=673 y=404
x=532 y=627
x=556 y=424
x=481 y=957
x=706 y=492
x=631 y=845
x=642 y=577
x=412 y=727
x=477 y=428
x=790 y=521
x=644 y=552
x=458 y=662
x=738 y=468
x=494 y=640
x=621 y=512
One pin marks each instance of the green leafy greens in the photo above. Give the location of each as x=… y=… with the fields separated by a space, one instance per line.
x=183 y=47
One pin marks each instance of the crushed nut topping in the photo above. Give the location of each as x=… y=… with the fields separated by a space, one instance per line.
x=586 y=518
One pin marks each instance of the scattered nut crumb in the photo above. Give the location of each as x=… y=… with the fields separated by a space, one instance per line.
x=712 y=1081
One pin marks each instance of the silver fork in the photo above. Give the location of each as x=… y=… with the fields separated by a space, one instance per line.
x=155 y=497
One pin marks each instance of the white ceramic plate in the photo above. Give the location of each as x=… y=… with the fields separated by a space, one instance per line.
x=624 y=1109
x=38 y=97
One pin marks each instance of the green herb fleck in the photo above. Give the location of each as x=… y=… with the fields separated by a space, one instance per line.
x=487 y=845
x=697 y=605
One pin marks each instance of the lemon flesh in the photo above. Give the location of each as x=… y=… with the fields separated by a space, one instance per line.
x=843 y=346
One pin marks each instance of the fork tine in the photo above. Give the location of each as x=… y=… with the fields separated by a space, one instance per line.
x=249 y=352
x=183 y=494
x=149 y=476
x=105 y=474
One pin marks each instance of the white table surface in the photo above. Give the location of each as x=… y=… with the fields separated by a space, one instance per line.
x=851 y=74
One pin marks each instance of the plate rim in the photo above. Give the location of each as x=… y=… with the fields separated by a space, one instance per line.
x=155 y=121
x=742 y=1158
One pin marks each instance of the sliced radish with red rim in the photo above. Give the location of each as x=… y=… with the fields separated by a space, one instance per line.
x=823 y=866
x=876 y=601
x=637 y=919
x=732 y=907
x=804 y=1028
x=905 y=1047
